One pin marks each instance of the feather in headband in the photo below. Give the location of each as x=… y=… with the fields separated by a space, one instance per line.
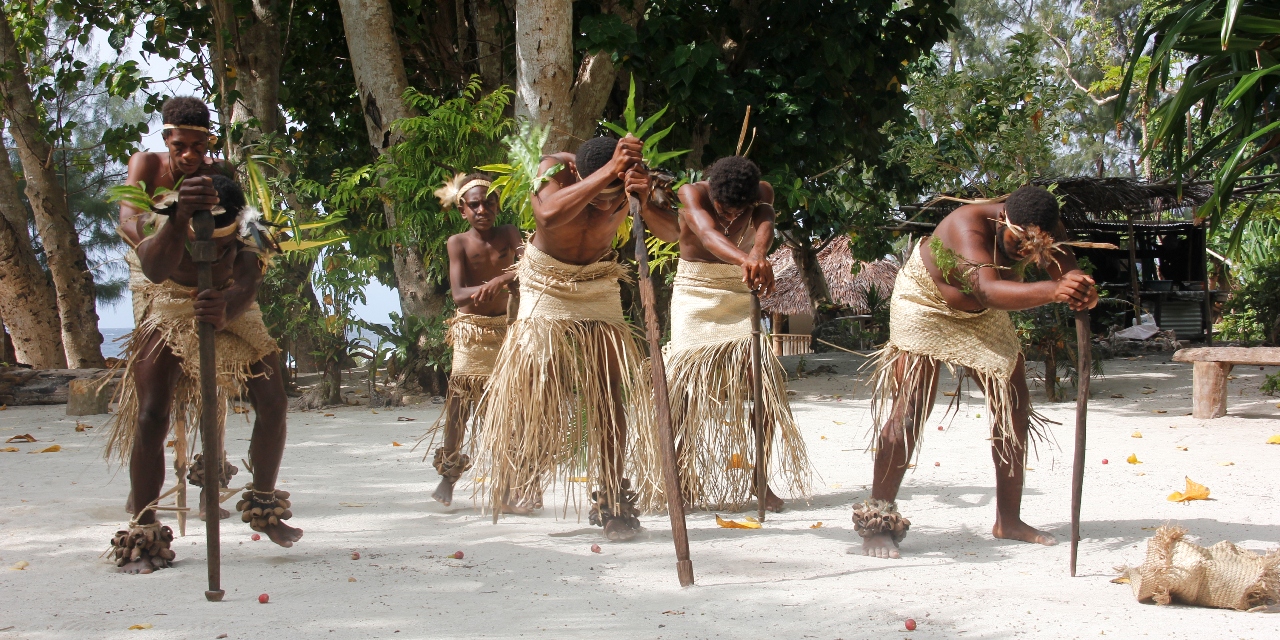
x=451 y=193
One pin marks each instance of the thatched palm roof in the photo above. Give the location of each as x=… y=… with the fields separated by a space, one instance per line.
x=792 y=298
x=1086 y=200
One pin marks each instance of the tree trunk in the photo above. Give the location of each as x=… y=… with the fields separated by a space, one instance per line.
x=27 y=302
x=1050 y=374
x=72 y=280
x=256 y=57
x=486 y=16
x=547 y=90
x=381 y=81
x=815 y=282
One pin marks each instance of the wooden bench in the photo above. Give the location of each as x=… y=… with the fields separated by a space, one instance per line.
x=1212 y=364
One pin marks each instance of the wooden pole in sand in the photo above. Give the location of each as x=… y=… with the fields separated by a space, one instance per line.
x=757 y=408
x=204 y=253
x=666 y=437
x=1084 y=362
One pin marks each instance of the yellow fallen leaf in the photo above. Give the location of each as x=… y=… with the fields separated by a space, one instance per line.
x=752 y=519
x=816 y=525
x=373 y=412
x=351 y=579
x=1136 y=434
x=1160 y=411
x=50 y=449
x=1226 y=464
x=1274 y=439
x=328 y=415
x=1121 y=580
x=140 y=627
x=1195 y=491
x=171 y=444
x=235 y=408
x=9 y=450
x=578 y=479
x=732 y=524
x=737 y=461
x=81 y=427
x=396 y=444
x=20 y=566
x=835 y=485
x=949 y=394
x=1133 y=459
x=481 y=479
x=26 y=437
x=837 y=422
x=822 y=437
x=1182 y=448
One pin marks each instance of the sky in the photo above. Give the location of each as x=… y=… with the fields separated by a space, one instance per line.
x=380 y=300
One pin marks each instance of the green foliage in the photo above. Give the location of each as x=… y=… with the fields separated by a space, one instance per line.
x=990 y=132
x=1254 y=308
x=1271 y=385
x=1226 y=102
x=518 y=178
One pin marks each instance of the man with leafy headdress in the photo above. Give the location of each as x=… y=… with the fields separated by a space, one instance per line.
x=725 y=235
x=162 y=356
x=570 y=393
x=479 y=277
x=950 y=307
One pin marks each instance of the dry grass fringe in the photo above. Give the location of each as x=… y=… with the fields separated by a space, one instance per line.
x=548 y=412
x=466 y=391
x=904 y=387
x=710 y=387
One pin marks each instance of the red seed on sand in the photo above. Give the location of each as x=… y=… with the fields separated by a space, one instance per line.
x=1104 y=461
x=355 y=555
x=937 y=464
x=262 y=599
x=939 y=427
x=595 y=548
x=255 y=537
x=911 y=624
x=457 y=555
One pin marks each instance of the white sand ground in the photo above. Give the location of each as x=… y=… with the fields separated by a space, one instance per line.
x=536 y=576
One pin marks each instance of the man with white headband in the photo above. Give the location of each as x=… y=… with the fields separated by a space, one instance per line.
x=479 y=278
x=161 y=381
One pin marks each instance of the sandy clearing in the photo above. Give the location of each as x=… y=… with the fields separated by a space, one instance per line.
x=536 y=577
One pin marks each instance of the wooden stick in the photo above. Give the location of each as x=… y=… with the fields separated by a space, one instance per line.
x=1084 y=362
x=666 y=435
x=757 y=408
x=203 y=253
x=180 y=469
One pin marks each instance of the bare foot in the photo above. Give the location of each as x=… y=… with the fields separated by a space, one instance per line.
x=772 y=502
x=138 y=567
x=880 y=545
x=618 y=530
x=514 y=508
x=444 y=492
x=1022 y=531
x=283 y=534
x=223 y=514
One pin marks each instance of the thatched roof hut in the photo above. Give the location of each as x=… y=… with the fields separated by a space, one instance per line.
x=791 y=297
x=1087 y=200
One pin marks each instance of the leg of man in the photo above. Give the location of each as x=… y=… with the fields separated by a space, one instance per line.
x=155 y=376
x=456 y=414
x=1011 y=460
x=895 y=445
x=266 y=447
x=771 y=500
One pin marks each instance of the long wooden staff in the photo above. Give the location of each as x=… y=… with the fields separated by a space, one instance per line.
x=203 y=253
x=1084 y=362
x=666 y=437
x=757 y=407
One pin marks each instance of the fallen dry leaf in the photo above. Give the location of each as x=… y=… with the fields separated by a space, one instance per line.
x=822 y=437
x=1133 y=459
x=1226 y=464
x=235 y=408
x=351 y=579
x=81 y=427
x=373 y=412
x=816 y=525
x=1121 y=580
x=837 y=422
x=50 y=449
x=26 y=437
x=1182 y=448
x=9 y=450
x=404 y=419
x=1274 y=439
x=396 y=444
x=672 y=612
x=1195 y=491
x=1136 y=434
x=1146 y=391
x=4 y=407
x=1117 y=395
x=732 y=524
x=328 y=415
x=351 y=504
x=835 y=485
x=949 y=394
x=171 y=444
x=140 y=627
x=20 y=566
x=737 y=461
x=1160 y=411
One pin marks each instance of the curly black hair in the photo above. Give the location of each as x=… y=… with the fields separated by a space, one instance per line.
x=231 y=197
x=1032 y=206
x=184 y=110
x=595 y=153
x=734 y=181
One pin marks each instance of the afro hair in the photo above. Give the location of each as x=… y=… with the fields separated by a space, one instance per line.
x=735 y=181
x=595 y=153
x=184 y=110
x=1032 y=206
x=230 y=197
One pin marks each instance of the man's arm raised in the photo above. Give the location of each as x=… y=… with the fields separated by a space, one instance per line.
x=994 y=292
x=555 y=205
x=161 y=252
